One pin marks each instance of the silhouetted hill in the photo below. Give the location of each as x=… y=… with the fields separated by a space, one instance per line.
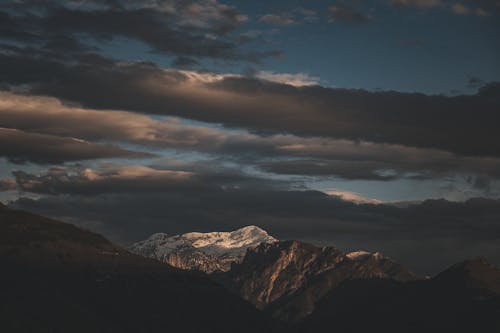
x=58 y=278
x=464 y=298
x=476 y=275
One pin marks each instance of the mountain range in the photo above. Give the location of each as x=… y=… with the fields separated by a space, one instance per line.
x=283 y=278
x=59 y=278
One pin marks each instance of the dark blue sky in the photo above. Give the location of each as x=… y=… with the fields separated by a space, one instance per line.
x=429 y=49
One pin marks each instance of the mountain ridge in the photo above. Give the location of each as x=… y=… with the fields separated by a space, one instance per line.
x=57 y=277
x=287 y=278
x=447 y=302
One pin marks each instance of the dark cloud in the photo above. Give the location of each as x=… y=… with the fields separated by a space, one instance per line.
x=367 y=170
x=21 y=147
x=284 y=154
x=83 y=181
x=464 y=124
x=426 y=237
x=385 y=163
x=182 y=62
x=107 y=179
x=12 y=29
x=290 y=17
x=143 y=25
x=278 y=19
x=182 y=28
x=416 y=3
x=342 y=12
x=460 y=124
x=130 y=203
x=475 y=82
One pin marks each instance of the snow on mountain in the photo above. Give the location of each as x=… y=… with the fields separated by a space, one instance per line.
x=208 y=252
x=362 y=255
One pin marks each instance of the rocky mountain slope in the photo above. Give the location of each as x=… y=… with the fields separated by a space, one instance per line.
x=59 y=278
x=207 y=252
x=288 y=278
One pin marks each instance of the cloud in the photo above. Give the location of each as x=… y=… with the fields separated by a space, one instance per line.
x=444 y=231
x=464 y=7
x=485 y=7
x=21 y=147
x=416 y=3
x=481 y=12
x=351 y=170
x=204 y=28
x=460 y=9
x=307 y=14
x=341 y=12
x=353 y=197
x=277 y=19
x=419 y=120
x=277 y=153
x=182 y=62
x=50 y=116
x=109 y=179
x=296 y=80
x=291 y=17
x=385 y=162
x=475 y=82
x=173 y=176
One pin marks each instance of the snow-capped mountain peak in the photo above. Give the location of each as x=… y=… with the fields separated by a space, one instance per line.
x=235 y=240
x=210 y=251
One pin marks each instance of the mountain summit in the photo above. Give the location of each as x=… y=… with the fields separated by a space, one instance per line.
x=208 y=252
x=288 y=278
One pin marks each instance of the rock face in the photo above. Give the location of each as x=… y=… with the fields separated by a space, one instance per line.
x=288 y=278
x=207 y=252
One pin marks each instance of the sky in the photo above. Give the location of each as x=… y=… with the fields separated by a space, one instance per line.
x=362 y=124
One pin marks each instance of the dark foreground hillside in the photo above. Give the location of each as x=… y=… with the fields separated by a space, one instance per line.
x=58 y=278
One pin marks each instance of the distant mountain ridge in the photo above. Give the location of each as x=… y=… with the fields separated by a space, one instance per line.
x=208 y=252
x=463 y=298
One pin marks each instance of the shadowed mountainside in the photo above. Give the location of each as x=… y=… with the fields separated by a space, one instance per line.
x=464 y=298
x=59 y=278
